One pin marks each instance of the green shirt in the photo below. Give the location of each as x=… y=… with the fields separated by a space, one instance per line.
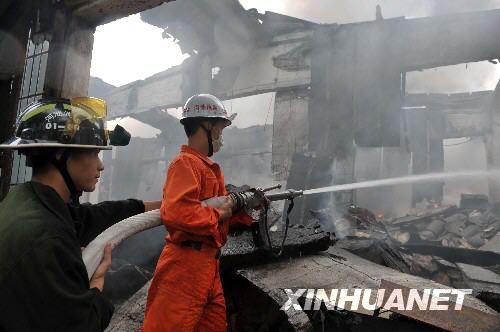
x=43 y=280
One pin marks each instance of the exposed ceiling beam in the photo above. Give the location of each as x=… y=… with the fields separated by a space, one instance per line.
x=99 y=12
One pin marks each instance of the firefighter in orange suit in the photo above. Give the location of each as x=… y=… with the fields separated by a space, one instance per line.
x=186 y=292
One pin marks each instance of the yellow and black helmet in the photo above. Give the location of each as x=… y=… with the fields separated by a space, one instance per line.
x=65 y=123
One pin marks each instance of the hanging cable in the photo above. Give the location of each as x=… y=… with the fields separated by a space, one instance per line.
x=287 y=224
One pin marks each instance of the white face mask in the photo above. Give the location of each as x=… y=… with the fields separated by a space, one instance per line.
x=217 y=143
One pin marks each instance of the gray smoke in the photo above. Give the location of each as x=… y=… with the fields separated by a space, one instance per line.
x=452 y=79
x=347 y=11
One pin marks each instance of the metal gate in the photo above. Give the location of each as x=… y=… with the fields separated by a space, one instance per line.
x=31 y=90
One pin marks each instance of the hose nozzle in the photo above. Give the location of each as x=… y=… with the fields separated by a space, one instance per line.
x=287 y=194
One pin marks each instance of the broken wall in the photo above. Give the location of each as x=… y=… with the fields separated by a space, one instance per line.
x=290 y=132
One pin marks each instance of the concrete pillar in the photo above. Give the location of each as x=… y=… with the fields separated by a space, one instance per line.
x=197 y=76
x=331 y=112
x=290 y=129
x=426 y=128
x=70 y=56
x=493 y=145
x=14 y=29
x=205 y=78
x=79 y=45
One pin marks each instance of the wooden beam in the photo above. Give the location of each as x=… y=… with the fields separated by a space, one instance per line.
x=446 y=40
x=167 y=89
x=466 y=124
x=99 y=12
x=474 y=101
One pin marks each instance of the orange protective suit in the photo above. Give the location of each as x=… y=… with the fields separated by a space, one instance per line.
x=186 y=293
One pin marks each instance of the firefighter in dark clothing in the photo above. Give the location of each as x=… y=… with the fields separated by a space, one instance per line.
x=43 y=281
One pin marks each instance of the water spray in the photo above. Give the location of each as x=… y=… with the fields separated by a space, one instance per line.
x=291 y=193
x=403 y=180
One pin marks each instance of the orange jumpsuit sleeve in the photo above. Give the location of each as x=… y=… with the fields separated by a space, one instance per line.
x=181 y=207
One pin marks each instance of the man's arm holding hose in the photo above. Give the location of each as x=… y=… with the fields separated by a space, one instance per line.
x=93 y=219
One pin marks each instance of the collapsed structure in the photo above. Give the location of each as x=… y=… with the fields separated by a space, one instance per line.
x=338 y=88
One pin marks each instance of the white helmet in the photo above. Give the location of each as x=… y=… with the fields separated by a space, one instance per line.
x=205 y=106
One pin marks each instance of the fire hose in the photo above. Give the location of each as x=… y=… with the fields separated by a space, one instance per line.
x=114 y=235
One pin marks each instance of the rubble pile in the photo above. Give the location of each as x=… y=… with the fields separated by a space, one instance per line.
x=470 y=226
x=455 y=246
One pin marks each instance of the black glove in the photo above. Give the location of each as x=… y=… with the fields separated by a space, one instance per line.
x=251 y=199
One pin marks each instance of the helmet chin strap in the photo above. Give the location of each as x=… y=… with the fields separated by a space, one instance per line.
x=210 y=143
x=62 y=167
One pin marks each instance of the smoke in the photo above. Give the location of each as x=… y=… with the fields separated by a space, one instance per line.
x=451 y=79
x=348 y=11
x=464 y=154
x=459 y=6
x=343 y=11
x=470 y=77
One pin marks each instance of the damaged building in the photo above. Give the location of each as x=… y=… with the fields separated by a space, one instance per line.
x=341 y=113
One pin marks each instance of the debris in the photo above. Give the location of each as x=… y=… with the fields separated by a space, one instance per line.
x=429 y=245
x=433 y=230
x=353 y=272
x=129 y=316
x=240 y=249
x=493 y=244
x=452 y=227
x=470 y=201
x=123 y=280
x=461 y=255
x=476 y=217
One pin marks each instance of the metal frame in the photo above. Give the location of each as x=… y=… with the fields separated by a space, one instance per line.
x=31 y=90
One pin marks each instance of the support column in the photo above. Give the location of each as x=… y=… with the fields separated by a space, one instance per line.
x=493 y=145
x=331 y=116
x=14 y=31
x=330 y=156
x=197 y=76
x=289 y=129
x=70 y=57
x=426 y=130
